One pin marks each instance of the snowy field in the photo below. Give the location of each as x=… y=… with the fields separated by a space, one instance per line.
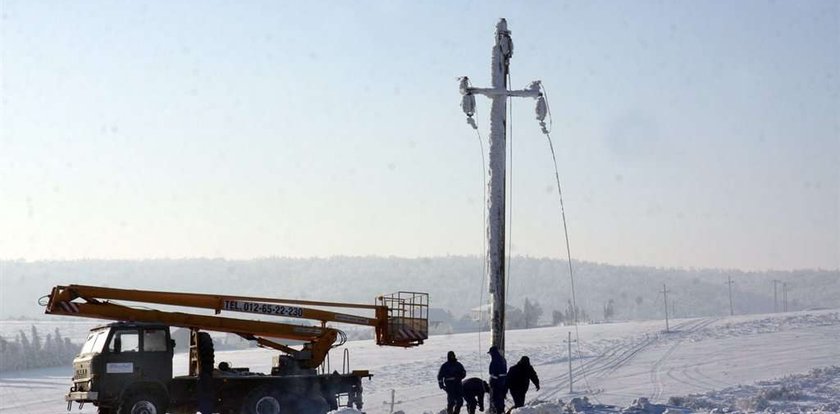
x=746 y=362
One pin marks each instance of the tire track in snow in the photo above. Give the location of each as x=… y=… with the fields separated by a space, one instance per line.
x=692 y=372
x=656 y=368
x=604 y=364
x=692 y=376
x=683 y=376
x=714 y=382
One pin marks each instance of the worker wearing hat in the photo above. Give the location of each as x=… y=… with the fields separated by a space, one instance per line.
x=449 y=379
x=498 y=380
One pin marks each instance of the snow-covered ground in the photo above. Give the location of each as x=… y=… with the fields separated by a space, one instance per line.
x=613 y=364
x=816 y=391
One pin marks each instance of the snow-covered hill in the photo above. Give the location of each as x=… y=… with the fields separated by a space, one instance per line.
x=612 y=363
x=454 y=283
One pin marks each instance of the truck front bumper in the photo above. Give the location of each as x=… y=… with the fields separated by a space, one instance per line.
x=82 y=396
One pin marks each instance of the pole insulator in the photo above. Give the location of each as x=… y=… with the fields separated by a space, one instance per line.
x=503 y=39
x=464 y=85
x=541 y=109
x=468 y=104
x=467 y=101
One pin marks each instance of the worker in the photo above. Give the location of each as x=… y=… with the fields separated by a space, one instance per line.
x=519 y=378
x=498 y=383
x=474 y=390
x=449 y=379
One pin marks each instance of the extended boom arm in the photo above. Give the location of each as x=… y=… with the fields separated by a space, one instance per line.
x=400 y=319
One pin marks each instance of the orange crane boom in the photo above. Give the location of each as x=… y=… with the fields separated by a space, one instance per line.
x=400 y=319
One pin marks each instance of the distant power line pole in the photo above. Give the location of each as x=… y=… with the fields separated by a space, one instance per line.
x=784 y=296
x=729 y=282
x=775 y=295
x=665 y=295
x=571 y=390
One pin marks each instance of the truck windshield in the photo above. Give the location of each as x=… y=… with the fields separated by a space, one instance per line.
x=95 y=342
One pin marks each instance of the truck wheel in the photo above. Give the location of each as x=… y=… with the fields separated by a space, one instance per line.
x=206 y=394
x=205 y=353
x=314 y=405
x=142 y=403
x=263 y=401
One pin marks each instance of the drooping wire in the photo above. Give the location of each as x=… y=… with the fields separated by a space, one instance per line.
x=571 y=271
x=562 y=205
x=483 y=244
x=470 y=111
x=568 y=247
x=565 y=228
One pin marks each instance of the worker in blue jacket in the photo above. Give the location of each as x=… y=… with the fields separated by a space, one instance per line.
x=498 y=380
x=449 y=379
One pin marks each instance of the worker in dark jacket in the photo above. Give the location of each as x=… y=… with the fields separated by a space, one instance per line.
x=519 y=378
x=498 y=383
x=449 y=378
x=474 y=390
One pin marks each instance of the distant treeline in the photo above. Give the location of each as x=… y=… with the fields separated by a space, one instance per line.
x=27 y=352
x=454 y=283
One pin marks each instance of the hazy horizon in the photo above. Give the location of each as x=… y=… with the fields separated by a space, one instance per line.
x=374 y=256
x=455 y=283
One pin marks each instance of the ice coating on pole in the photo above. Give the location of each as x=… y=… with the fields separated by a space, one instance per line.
x=496 y=191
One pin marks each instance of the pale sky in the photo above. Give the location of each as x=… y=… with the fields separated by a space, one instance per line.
x=689 y=133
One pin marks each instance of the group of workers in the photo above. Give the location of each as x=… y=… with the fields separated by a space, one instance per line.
x=517 y=379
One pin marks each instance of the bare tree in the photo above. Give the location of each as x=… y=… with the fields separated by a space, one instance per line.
x=533 y=312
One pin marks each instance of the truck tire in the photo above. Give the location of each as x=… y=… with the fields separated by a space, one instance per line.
x=206 y=395
x=264 y=400
x=142 y=402
x=206 y=355
x=313 y=405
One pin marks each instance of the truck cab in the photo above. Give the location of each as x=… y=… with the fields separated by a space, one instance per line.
x=120 y=361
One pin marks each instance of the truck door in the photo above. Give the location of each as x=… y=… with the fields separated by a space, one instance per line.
x=156 y=355
x=138 y=354
x=122 y=363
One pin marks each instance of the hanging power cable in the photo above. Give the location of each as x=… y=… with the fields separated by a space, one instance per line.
x=468 y=106
x=565 y=227
x=542 y=110
x=483 y=244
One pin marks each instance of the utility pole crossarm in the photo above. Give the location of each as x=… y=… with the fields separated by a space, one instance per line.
x=532 y=92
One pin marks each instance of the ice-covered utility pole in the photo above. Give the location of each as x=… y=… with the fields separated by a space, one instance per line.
x=498 y=93
x=665 y=295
